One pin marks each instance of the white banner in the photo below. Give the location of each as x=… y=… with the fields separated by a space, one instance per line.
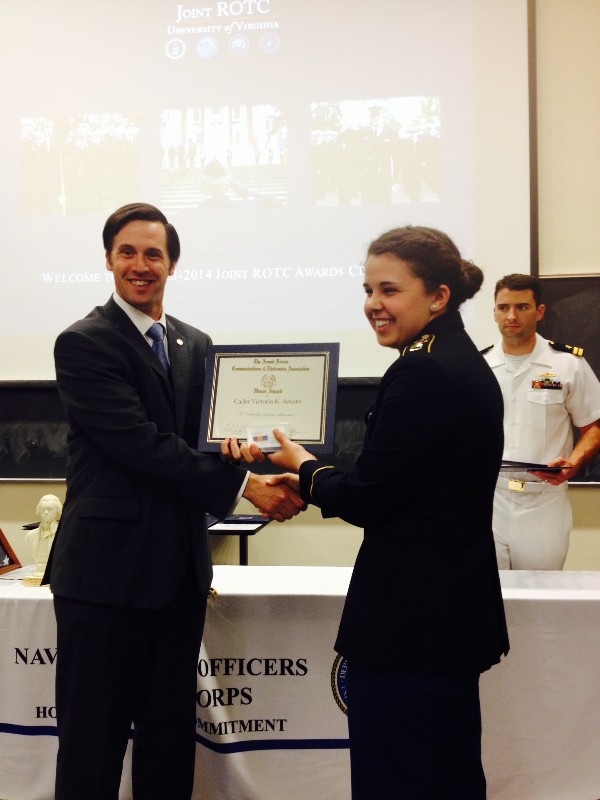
x=269 y=720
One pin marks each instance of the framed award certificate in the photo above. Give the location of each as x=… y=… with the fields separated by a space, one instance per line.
x=251 y=389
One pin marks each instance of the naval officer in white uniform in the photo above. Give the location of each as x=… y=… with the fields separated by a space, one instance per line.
x=547 y=388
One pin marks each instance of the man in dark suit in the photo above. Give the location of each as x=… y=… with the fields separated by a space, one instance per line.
x=131 y=569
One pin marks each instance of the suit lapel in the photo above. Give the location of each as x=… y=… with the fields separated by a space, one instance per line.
x=180 y=370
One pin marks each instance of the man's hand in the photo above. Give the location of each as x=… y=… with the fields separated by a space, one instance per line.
x=274 y=499
x=232 y=450
x=556 y=478
x=587 y=447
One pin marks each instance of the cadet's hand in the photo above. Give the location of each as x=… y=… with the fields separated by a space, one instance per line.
x=274 y=500
x=291 y=455
x=293 y=481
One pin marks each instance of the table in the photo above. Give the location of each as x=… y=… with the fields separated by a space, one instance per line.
x=240 y=525
x=268 y=722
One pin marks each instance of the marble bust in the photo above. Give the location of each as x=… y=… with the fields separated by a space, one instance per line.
x=39 y=540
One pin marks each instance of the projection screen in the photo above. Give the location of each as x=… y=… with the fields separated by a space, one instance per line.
x=279 y=137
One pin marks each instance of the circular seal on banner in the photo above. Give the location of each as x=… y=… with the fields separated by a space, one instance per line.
x=339 y=682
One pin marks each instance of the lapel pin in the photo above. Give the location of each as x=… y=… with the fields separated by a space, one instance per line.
x=179 y=341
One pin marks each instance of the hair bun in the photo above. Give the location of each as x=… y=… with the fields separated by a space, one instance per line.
x=473 y=278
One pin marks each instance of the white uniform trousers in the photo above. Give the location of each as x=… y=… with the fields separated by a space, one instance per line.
x=531 y=527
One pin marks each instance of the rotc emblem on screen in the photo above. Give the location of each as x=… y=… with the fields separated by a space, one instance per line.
x=339 y=682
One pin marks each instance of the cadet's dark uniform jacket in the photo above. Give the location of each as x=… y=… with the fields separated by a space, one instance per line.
x=425 y=596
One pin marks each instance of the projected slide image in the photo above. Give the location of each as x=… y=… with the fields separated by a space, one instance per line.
x=376 y=152
x=279 y=137
x=78 y=163
x=223 y=156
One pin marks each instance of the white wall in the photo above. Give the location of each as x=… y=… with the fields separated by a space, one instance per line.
x=568 y=65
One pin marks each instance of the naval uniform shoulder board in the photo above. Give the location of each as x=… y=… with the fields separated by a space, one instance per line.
x=566 y=348
x=486 y=350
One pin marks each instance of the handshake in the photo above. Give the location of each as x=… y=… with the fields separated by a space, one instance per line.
x=275 y=496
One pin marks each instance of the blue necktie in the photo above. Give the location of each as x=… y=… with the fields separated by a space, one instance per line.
x=156 y=332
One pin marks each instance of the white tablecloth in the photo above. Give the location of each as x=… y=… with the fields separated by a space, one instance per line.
x=268 y=722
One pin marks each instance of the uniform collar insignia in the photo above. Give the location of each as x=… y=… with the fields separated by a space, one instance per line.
x=423 y=342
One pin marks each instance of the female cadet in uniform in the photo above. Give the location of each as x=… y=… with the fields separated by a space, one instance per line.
x=424 y=615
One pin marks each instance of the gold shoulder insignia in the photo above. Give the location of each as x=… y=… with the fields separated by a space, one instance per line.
x=567 y=348
x=423 y=343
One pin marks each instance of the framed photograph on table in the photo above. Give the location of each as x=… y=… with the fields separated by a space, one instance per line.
x=8 y=560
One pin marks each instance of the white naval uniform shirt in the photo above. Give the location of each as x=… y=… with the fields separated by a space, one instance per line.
x=537 y=419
